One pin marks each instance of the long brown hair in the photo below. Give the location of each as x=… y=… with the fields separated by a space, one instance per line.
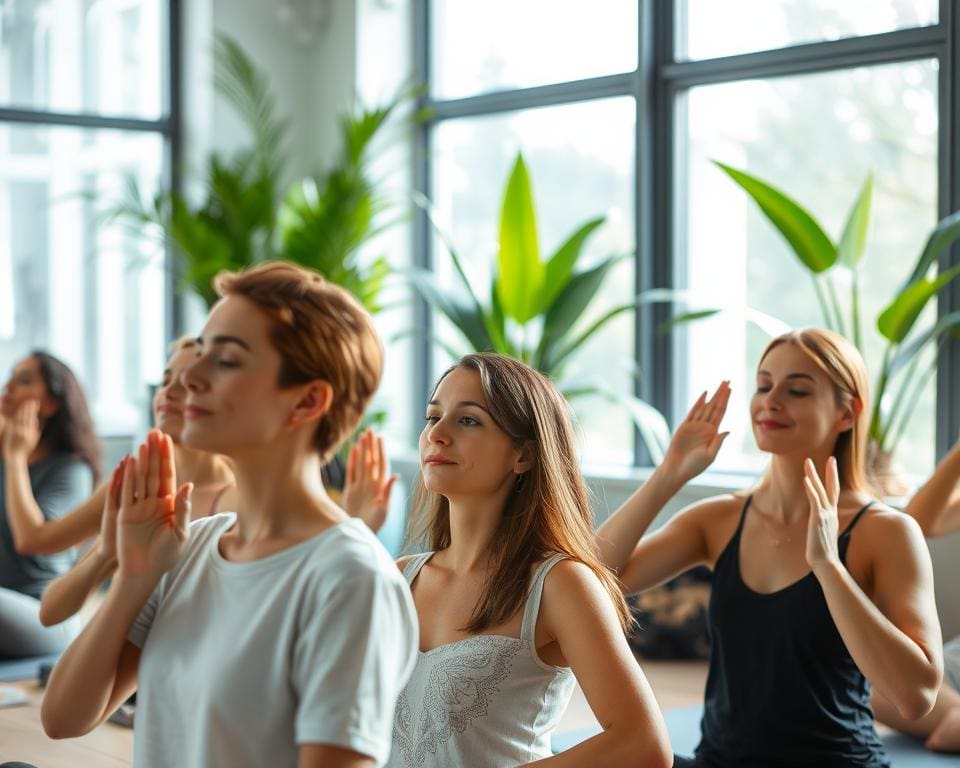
x=69 y=429
x=548 y=513
x=844 y=366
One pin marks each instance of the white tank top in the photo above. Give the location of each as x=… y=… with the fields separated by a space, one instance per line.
x=487 y=701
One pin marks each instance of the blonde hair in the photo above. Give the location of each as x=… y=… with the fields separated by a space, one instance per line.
x=843 y=364
x=321 y=332
x=549 y=512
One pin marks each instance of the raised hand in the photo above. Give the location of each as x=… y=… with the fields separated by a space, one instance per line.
x=152 y=530
x=366 y=493
x=697 y=439
x=111 y=511
x=823 y=527
x=22 y=432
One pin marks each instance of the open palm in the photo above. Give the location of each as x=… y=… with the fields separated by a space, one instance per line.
x=366 y=493
x=152 y=529
x=697 y=440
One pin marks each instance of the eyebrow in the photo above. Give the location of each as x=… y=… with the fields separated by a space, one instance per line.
x=225 y=340
x=463 y=403
x=790 y=375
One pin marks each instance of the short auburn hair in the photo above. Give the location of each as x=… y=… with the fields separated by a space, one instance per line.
x=321 y=332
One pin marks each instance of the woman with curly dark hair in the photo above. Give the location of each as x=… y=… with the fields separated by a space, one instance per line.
x=50 y=462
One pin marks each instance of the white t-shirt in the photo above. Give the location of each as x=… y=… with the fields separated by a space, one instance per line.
x=243 y=662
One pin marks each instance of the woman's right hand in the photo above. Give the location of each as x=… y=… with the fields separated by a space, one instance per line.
x=697 y=440
x=111 y=511
x=152 y=530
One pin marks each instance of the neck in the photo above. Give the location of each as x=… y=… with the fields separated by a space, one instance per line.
x=200 y=467
x=280 y=494
x=473 y=522
x=782 y=488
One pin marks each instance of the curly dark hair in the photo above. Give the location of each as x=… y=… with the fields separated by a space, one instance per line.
x=70 y=429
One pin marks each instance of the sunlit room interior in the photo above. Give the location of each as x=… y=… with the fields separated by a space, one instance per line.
x=633 y=197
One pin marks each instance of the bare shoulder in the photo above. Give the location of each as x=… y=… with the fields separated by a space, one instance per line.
x=402 y=562
x=571 y=586
x=883 y=526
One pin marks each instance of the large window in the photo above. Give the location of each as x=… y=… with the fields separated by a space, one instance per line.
x=72 y=133
x=622 y=108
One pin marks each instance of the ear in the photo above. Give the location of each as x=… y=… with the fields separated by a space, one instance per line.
x=526 y=458
x=849 y=414
x=314 y=401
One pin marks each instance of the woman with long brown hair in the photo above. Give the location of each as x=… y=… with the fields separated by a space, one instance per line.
x=50 y=459
x=819 y=592
x=513 y=602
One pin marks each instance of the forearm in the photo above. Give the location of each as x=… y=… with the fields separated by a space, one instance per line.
x=82 y=685
x=66 y=595
x=937 y=501
x=620 y=533
x=907 y=674
x=613 y=748
x=24 y=515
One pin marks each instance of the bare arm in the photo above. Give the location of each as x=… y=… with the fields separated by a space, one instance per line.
x=578 y=613
x=692 y=449
x=936 y=504
x=327 y=756
x=66 y=594
x=895 y=641
x=99 y=668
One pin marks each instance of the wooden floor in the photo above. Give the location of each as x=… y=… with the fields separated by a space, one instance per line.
x=676 y=684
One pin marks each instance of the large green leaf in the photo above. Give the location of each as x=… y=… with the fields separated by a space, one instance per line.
x=895 y=322
x=942 y=237
x=520 y=272
x=906 y=353
x=560 y=266
x=853 y=241
x=801 y=231
x=571 y=303
x=558 y=355
x=463 y=314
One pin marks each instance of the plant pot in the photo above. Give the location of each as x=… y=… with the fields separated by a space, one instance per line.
x=884 y=474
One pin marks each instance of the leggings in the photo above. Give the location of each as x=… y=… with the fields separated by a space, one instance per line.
x=22 y=634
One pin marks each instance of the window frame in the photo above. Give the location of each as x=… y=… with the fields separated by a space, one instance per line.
x=168 y=126
x=656 y=85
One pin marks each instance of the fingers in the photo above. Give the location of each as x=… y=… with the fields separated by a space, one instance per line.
x=152 y=484
x=697 y=408
x=384 y=500
x=167 y=477
x=813 y=478
x=116 y=487
x=716 y=406
x=181 y=507
x=382 y=459
x=128 y=491
x=833 y=481
x=812 y=494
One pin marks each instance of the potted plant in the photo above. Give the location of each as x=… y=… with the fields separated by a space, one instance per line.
x=535 y=304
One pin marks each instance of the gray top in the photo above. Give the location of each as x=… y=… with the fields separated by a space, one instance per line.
x=59 y=483
x=487 y=701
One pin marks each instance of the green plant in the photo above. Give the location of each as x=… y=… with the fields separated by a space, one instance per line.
x=535 y=305
x=899 y=378
x=245 y=215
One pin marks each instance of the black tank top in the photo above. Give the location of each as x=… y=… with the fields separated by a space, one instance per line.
x=782 y=690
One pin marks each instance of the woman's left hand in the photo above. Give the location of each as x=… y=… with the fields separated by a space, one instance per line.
x=366 y=493
x=823 y=526
x=22 y=432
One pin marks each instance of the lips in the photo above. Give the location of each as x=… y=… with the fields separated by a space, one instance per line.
x=195 y=412
x=437 y=460
x=770 y=425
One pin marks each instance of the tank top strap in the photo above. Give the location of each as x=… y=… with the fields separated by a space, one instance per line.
x=844 y=539
x=743 y=516
x=413 y=566
x=532 y=609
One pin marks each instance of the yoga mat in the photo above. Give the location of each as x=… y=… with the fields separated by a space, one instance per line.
x=684 y=727
x=13 y=670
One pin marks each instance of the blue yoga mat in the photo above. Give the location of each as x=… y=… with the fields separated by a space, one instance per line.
x=24 y=669
x=684 y=727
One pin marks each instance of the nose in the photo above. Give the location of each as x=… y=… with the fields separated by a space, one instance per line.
x=437 y=433
x=191 y=377
x=771 y=399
